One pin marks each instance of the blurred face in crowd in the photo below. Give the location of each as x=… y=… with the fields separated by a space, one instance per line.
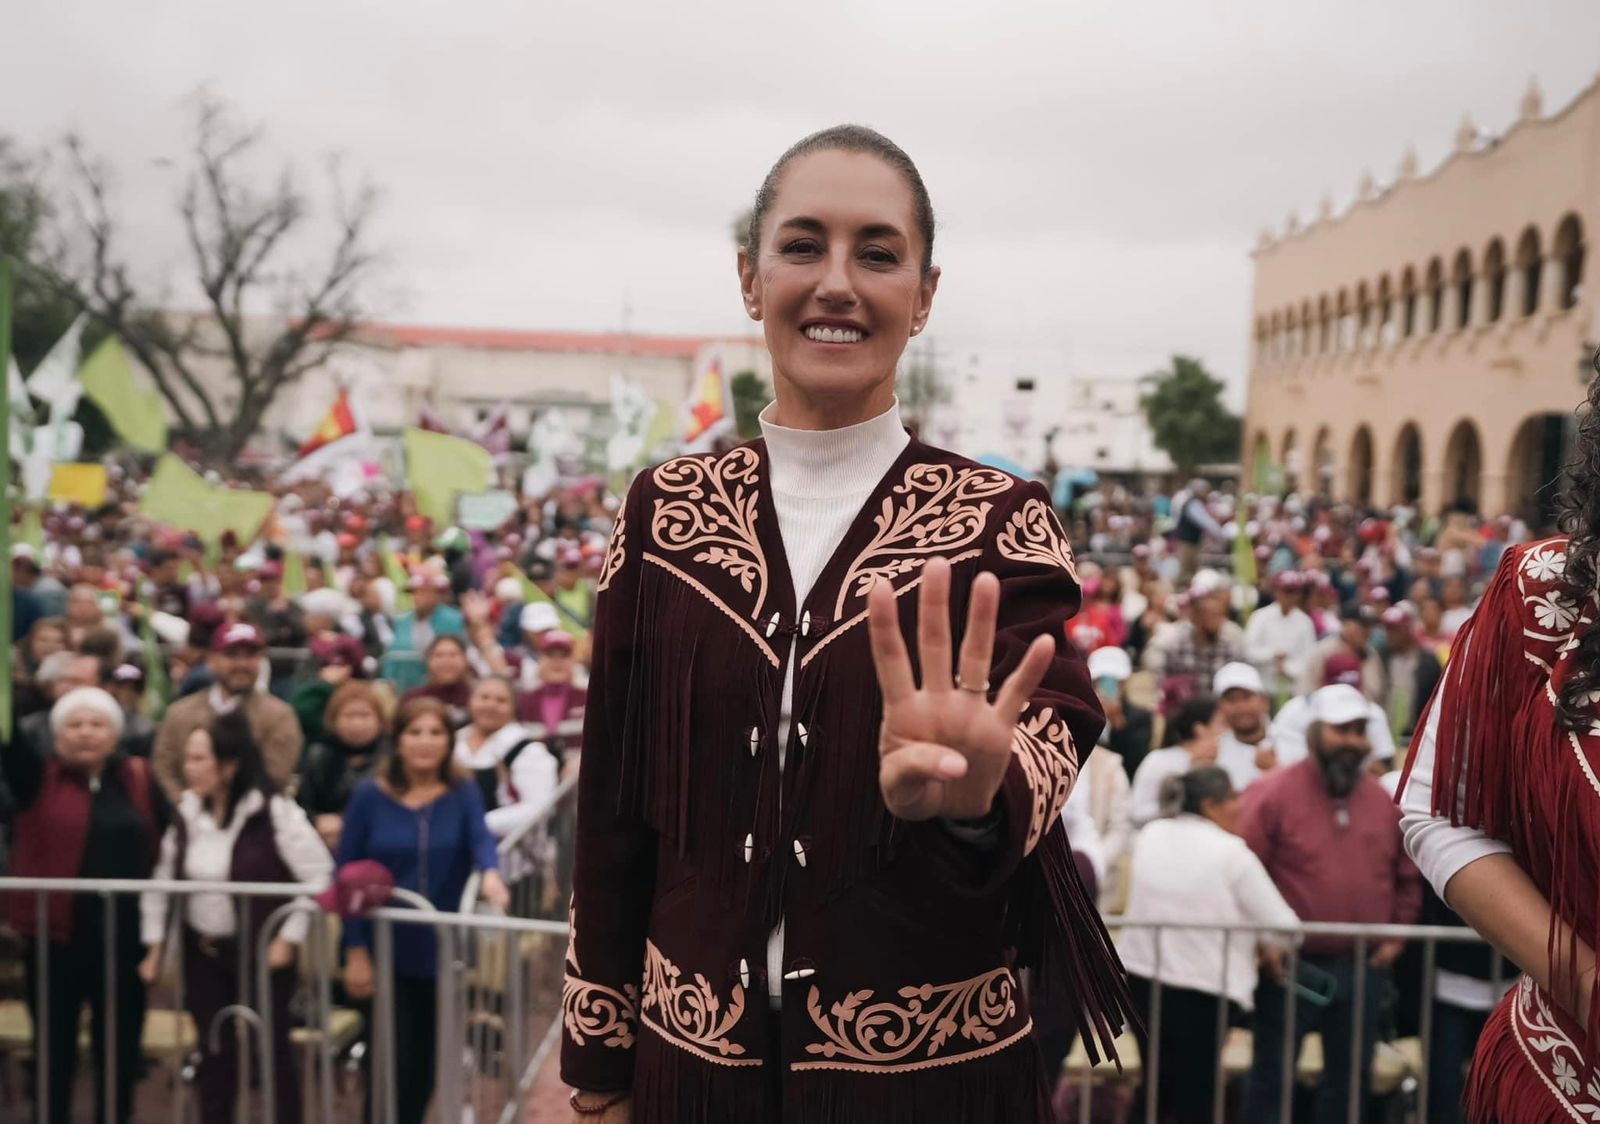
x=358 y=723
x=1455 y=593
x=1340 y=751
x=81 y=672
x=838 y=285
x=1203 y=745
x=236 y=669
x=1431 y=613
x=1400 y=637
x=424 y=599
x=1209 y=612
x=85 y=739
x=1356 y=636
x=555 y=665
x=491 y=706
x=130 y=695
x=202 y=774
x=423 y=744
x=46 y=641
x=83 y=606
x=447 y=664
x=166 y=573
x=1244 y=712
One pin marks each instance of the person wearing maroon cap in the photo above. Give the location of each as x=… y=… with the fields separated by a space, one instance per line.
x=339 y=657
x=279 y=617
x=1279 y=637
x=557 y=699
x=1354 y=638
x=236 y=666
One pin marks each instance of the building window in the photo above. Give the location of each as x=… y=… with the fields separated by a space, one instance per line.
x=1569 y=252
x=1363 y=317
x=1530 y=265
x=1408 y=304
x=1494 y=276
x=1461 y=277
x=1322 y=326
x=1435 y=284
x=1385 y=312
x=1025 y=385
x=1307 y=335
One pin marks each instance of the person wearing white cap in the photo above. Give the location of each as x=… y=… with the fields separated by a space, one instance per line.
x=1246 y=748
x=1291 y=727
x=1279 y=636
x=1102 y=796
x=1130 y=729
x=1329 y=836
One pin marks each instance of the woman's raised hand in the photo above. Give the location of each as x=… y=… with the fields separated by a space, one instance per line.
x=944 y=746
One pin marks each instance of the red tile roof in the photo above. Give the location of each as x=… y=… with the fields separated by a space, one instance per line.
x=584 y=343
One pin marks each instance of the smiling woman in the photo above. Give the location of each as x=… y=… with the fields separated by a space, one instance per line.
x=808 y=867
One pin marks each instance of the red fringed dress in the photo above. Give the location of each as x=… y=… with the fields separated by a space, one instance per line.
x=902 y=947
x=1521 y=779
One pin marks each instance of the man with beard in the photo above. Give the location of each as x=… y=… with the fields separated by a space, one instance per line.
x=1329 y=836
x=236 y=663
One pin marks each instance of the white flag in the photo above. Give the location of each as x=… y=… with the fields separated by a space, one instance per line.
x=633 y=410
x=55 y=379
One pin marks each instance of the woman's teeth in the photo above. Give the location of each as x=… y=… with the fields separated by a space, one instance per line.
x=833 y=335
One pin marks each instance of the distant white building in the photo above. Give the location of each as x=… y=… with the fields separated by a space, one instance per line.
x=1084 y=422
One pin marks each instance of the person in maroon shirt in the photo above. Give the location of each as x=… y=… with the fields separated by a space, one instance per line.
x=1329 y=836
x=449 y=678
x=557 y=698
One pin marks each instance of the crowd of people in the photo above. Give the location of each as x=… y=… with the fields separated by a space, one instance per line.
x=358 y=683
x=355 y=685
x=1255 y=734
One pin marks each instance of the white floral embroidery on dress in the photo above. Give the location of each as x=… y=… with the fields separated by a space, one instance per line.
x=1552 y=1052
x=1545 y=564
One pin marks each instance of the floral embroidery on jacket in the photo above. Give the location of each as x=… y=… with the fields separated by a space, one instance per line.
x=593 y=1011
x=935 y=511
x=690 y=1015
x=714 y=515
x=885 y=1034
x=616 y=552
x=1034 y=534
x=1043 y=747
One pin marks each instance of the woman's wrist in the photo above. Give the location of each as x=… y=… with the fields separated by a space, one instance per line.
x=585 y=1103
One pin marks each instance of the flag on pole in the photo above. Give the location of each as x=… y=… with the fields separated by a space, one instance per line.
x=52 y=379
x=494 y=432
x=294 y=574
x=7 y=641
x=396 y=573
x=340 y=421
x=134 y=412
x=177 y=496
x=157 y=687
x=440 y=467
x=1244 y=569
x=709 y=410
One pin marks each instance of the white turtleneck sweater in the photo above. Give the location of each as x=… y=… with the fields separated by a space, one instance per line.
x=820 y=480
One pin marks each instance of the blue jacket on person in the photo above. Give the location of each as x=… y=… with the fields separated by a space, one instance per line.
x=432 y=850
x=446 y=620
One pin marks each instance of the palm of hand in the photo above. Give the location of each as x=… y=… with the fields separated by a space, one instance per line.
x=944 y=748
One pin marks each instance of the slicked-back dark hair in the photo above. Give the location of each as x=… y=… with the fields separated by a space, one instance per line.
x=1579 y=506
x=848 y=138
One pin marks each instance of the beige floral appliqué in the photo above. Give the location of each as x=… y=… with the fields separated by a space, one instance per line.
x=935 y=511
x=1043 y=747
x=714 y=515
x=1034 y=534
x=691 y=1015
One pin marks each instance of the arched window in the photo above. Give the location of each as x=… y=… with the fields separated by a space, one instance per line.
x=1343 y=332
x=1435 y=287
x=1494 y=276
x=1408 y=303
x=1461 y=279
x=1530 y=265
x=1363 y=317
x=1386 y=333
x=1274 y=338
x=1569 y=252
x=1262 y=340
x=1308 y=337
x=1323 y=326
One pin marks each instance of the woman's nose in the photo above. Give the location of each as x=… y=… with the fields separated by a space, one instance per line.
x=835 y=286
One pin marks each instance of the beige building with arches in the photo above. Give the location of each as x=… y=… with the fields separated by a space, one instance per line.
x=1429 y=343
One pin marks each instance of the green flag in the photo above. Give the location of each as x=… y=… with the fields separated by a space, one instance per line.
x=1244 y=567
x=294 y=574
x=440 y=467
x=134 y=412
x=157 y=688
x=180 y=498
x=32 y=529
x=396 y=573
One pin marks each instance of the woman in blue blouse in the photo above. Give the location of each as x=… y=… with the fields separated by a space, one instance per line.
x=423 y=819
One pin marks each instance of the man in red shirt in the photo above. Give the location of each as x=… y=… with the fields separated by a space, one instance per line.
x=1329 y=836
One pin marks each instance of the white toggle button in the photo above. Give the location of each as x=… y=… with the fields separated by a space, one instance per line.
x=801 y=731
x=749 y=847
x=755 y=741
x=800 y=974
x=772 y=626
x=744 y=973
x=805 y=623
x=800 y=852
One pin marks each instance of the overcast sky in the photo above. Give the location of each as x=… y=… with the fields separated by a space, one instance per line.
x=1100 y=170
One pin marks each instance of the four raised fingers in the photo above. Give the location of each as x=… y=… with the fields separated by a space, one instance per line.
x=889 y=654
x=933 y=626
x=977 y=646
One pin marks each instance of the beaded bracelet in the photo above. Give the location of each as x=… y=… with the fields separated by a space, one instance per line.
x=598 y=1109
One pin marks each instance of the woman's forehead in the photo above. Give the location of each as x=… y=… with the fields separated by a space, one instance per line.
x=846 y=190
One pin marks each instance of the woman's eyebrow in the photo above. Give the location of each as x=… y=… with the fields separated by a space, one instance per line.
x=817 y=226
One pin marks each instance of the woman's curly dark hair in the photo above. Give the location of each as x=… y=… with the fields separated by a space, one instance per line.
x=1579 y=506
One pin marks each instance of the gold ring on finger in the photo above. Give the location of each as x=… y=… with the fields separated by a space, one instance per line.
x=980 y=689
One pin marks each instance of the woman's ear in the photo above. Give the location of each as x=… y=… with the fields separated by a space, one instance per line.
x=749 y=287
x=925 y=291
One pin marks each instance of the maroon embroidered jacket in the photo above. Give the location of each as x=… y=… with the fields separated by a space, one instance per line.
x=902 y=943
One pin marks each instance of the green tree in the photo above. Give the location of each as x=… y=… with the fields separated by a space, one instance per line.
x=750 y=397
x=218 y=372
x=40 y=313
x=1187 y=416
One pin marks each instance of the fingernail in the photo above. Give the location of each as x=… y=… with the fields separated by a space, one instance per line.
x=953 y=764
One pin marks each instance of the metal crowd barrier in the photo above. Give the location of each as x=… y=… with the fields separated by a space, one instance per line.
x=1414 y=1068
x=499 y=989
